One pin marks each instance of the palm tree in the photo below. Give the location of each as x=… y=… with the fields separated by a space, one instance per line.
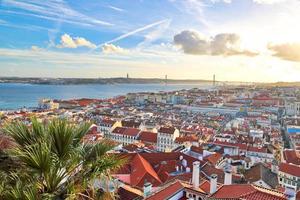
x=52 y=162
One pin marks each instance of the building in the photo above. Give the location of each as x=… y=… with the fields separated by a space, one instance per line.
x=292 y=108
x=48 y=104
x=289 y=176
x=106 y=126
x=261 y=175
x=166 y=137
x=125 y=135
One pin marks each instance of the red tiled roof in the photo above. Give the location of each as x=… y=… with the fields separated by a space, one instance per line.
x=168 y=130
x=214 y=158
x=119 y=130
x=167 y=191
x=148 y=137
x=141 y=171
x=131 y=131
x=205 y=186
x=197 y=149
x=290 y=169
x=292 y=156
x=191 y=138
x=126 y=131
x=247 y=192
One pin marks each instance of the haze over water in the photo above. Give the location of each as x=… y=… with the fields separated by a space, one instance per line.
x=14 y=95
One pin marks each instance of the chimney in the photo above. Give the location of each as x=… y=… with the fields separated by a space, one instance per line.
x=290 y=192
x=228 y=175
x=213 y=183
x=147 y=188
x=196 y=174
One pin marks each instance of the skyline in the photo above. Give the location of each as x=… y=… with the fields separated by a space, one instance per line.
x=251 y=40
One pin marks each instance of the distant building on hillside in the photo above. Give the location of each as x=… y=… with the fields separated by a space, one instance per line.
x=48 y=104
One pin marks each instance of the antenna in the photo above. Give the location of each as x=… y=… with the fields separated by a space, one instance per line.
x=214 y=80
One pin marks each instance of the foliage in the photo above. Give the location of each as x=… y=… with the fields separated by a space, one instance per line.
x=51 y=162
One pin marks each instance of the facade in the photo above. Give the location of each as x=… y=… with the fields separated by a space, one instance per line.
x=292 y=108
x=48 y=104
x=125 y=135
x=289 y=176
x=259 y=155
x=166 y=137
x=107 y=125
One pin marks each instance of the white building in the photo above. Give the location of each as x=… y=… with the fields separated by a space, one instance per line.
x=289 y=175
x=125 y=135
x=166 y=137
x=292 y=108
x=48 y=104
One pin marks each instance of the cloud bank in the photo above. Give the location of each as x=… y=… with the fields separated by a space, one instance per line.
x=113 y=49
x=66 y=41
x=286 y=51
x=227 y=44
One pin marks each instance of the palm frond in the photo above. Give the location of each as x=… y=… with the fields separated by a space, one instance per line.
x=96 y=151
x=106 y=165
x=80 y=132
x=38 y=130
x=54 y=179
x=20 y=133
x=37 y=157
x=61 y=138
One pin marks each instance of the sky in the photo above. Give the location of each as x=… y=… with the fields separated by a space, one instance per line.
x=237 y=40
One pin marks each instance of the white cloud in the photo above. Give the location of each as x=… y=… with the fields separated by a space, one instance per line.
x=268 y=1
x=286 y=51
x=227 y=44
x=47 y=63
x=53 y=10
x=113 y=49
x=36 y=48
x=116 y=8
x=66 y=41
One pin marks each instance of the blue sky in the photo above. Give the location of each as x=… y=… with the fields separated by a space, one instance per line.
x=251 y=40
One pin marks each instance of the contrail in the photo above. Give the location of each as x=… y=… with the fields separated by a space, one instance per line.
x=132 y=32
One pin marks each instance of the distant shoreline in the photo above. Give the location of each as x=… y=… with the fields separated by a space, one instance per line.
x=83 y=81
x=122 y=80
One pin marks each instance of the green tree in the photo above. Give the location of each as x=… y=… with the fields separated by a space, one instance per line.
x=52 y=162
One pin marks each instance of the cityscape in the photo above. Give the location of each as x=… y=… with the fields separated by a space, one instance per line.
x=154 y=100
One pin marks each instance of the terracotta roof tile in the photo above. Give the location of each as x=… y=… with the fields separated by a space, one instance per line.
x=142 y=171
x=168 y=130
x=247 y=192
x=214 y=158
x=148 y=137
x=290 y=169
x=167 y=191
x=292 y=156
